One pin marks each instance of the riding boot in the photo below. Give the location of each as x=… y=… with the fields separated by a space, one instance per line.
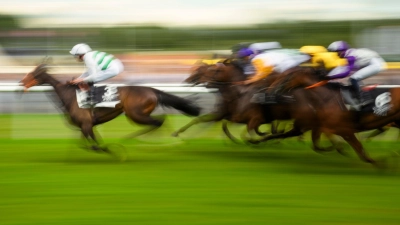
x=91 y=93
x=357 y=89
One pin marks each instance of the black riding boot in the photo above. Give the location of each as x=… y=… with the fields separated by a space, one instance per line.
x=358 y=91
x=91 y=94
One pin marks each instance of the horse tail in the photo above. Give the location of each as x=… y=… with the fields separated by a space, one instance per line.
x=184 y=105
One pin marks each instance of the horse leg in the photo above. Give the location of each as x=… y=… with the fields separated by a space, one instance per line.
x=87 y=132
x=274 y=127
x=375 y=133
x=200 y=119
x=144 y=119
x=315 y=137
x=228 y=133
x=357 y=146
x=252 y=126
x=260 y=133
x=295 y=131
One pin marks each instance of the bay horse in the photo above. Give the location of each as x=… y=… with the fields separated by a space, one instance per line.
x=233 y=105
x=331 y=114
x=236 y=104
x=136 y=102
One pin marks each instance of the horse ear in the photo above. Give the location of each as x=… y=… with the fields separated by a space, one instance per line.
x=47 y=60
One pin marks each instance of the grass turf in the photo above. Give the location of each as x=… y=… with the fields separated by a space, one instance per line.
x=201 y=178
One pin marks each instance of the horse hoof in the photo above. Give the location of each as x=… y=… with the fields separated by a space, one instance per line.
x=96 y=148
x=175 y=134
x=253 y=142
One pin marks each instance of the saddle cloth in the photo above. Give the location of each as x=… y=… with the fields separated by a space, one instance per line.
x=98 y=96
x=375 y=100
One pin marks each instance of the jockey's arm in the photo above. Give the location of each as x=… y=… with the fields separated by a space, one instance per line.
x=90 y=74
x=343 y=71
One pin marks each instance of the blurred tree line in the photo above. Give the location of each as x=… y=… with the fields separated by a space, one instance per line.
x=127 y=38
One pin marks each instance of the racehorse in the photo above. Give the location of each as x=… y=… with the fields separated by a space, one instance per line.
x=236 y=101
x=135 y=101
x=233 y=105
x=331 y=114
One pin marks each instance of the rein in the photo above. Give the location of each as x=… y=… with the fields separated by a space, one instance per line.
x=318 y=84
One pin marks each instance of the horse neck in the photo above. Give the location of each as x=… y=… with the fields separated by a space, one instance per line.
x=236 y=74
x=64 y=91
x=48 y=79
x=298 y=79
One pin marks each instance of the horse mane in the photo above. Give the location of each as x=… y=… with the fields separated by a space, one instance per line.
x=234 y=63
x=294 y=73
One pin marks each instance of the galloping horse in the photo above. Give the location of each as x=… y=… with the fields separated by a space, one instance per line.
x=331 y=114
x=135 y=101
x=236 y=101
x=234 y=104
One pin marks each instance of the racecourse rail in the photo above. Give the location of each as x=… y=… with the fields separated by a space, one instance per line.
x=169 y=87
x=36 y=101
x=172 y=88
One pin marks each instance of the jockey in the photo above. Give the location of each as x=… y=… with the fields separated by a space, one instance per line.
x=100 y=65
x=365 y=61
x=244 y=58
x=273 y=61
x=245 y=53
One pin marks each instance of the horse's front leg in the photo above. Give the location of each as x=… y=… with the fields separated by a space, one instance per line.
x=295 y=131
x=211 y=117
x=357 y=146
x=90 y=137
x=316 y=137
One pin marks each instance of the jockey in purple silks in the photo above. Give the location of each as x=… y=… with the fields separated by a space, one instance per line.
x=364 y=61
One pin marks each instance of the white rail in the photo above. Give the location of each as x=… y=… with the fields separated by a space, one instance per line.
x=169 y=87
x=174 y=88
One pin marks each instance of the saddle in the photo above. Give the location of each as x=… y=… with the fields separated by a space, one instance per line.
x=375 y=100
x=98 y=96
x=265 y=97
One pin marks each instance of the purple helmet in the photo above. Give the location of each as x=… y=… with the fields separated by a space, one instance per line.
x=244 y=52
x=338 y=46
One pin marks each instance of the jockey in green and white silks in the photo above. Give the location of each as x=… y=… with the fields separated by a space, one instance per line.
x=100 y=65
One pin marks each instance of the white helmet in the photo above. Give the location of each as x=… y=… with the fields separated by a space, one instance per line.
x=80 y=49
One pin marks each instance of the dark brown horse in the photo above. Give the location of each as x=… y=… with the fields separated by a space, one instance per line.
x=236 y=104
x=331 y=114
x=233 y=101
x=135 y=101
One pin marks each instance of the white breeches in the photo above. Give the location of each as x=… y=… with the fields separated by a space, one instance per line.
x=375 y=66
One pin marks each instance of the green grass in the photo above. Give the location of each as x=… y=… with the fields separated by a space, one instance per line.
x=200 y=178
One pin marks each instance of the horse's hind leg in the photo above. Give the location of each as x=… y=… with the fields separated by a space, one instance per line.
x=200 y=119
x=144 y=119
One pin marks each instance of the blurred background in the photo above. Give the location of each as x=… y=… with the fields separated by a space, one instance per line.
x=159 y=41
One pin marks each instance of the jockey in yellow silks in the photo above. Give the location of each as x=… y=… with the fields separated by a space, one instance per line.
x=320 y=57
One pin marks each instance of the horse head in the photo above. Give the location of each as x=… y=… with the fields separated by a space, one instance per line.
x=198 y=71
x=35 y=77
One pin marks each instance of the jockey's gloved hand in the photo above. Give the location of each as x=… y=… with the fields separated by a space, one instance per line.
x=326 y=78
